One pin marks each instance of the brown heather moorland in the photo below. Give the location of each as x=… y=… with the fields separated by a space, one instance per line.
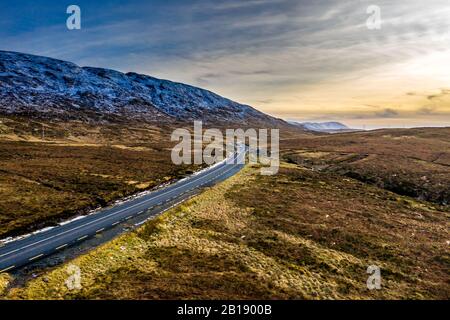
x=298 y=235
x=338 y=205
x=411 y=162
x=72 y=168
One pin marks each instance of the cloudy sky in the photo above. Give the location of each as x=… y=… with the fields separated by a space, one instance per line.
x=296 y=59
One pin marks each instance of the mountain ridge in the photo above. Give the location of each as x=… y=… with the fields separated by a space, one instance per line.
x=330 y=126
x=51 y=88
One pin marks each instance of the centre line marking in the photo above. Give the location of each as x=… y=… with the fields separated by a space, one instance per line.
x=36 y=257
x=6 y=269
x=115 y=213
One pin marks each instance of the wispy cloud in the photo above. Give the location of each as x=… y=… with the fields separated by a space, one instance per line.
x=426 y=110
x=294 y=57
x=444 y=93
x=387 y=113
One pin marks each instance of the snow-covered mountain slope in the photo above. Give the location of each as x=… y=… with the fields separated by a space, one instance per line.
x=45 y=87
x=321 y=126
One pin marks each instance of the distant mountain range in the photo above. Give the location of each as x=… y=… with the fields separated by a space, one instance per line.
x=49 y=88
x=321 y=126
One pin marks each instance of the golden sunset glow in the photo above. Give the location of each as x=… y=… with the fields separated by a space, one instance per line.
x=295 y=59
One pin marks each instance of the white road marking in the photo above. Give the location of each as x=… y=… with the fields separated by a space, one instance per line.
x=82 y=238
x=6 y=269
x=60 y=247
x=100 y=230
x=113 y=213
x=36 y=257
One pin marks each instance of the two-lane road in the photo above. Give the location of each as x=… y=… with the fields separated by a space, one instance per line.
x=32 y=248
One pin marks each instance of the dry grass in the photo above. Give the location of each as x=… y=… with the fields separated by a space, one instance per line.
x=411 y=162
x=298 y=235
x=77 y=167
x=4 y=282
x=309 y=232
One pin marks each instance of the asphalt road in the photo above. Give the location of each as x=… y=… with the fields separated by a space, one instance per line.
x=21 y=252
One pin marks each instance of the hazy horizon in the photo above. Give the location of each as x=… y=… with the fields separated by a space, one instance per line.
x=361 y=125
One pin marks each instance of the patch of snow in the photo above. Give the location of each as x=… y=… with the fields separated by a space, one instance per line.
x=29 y=81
